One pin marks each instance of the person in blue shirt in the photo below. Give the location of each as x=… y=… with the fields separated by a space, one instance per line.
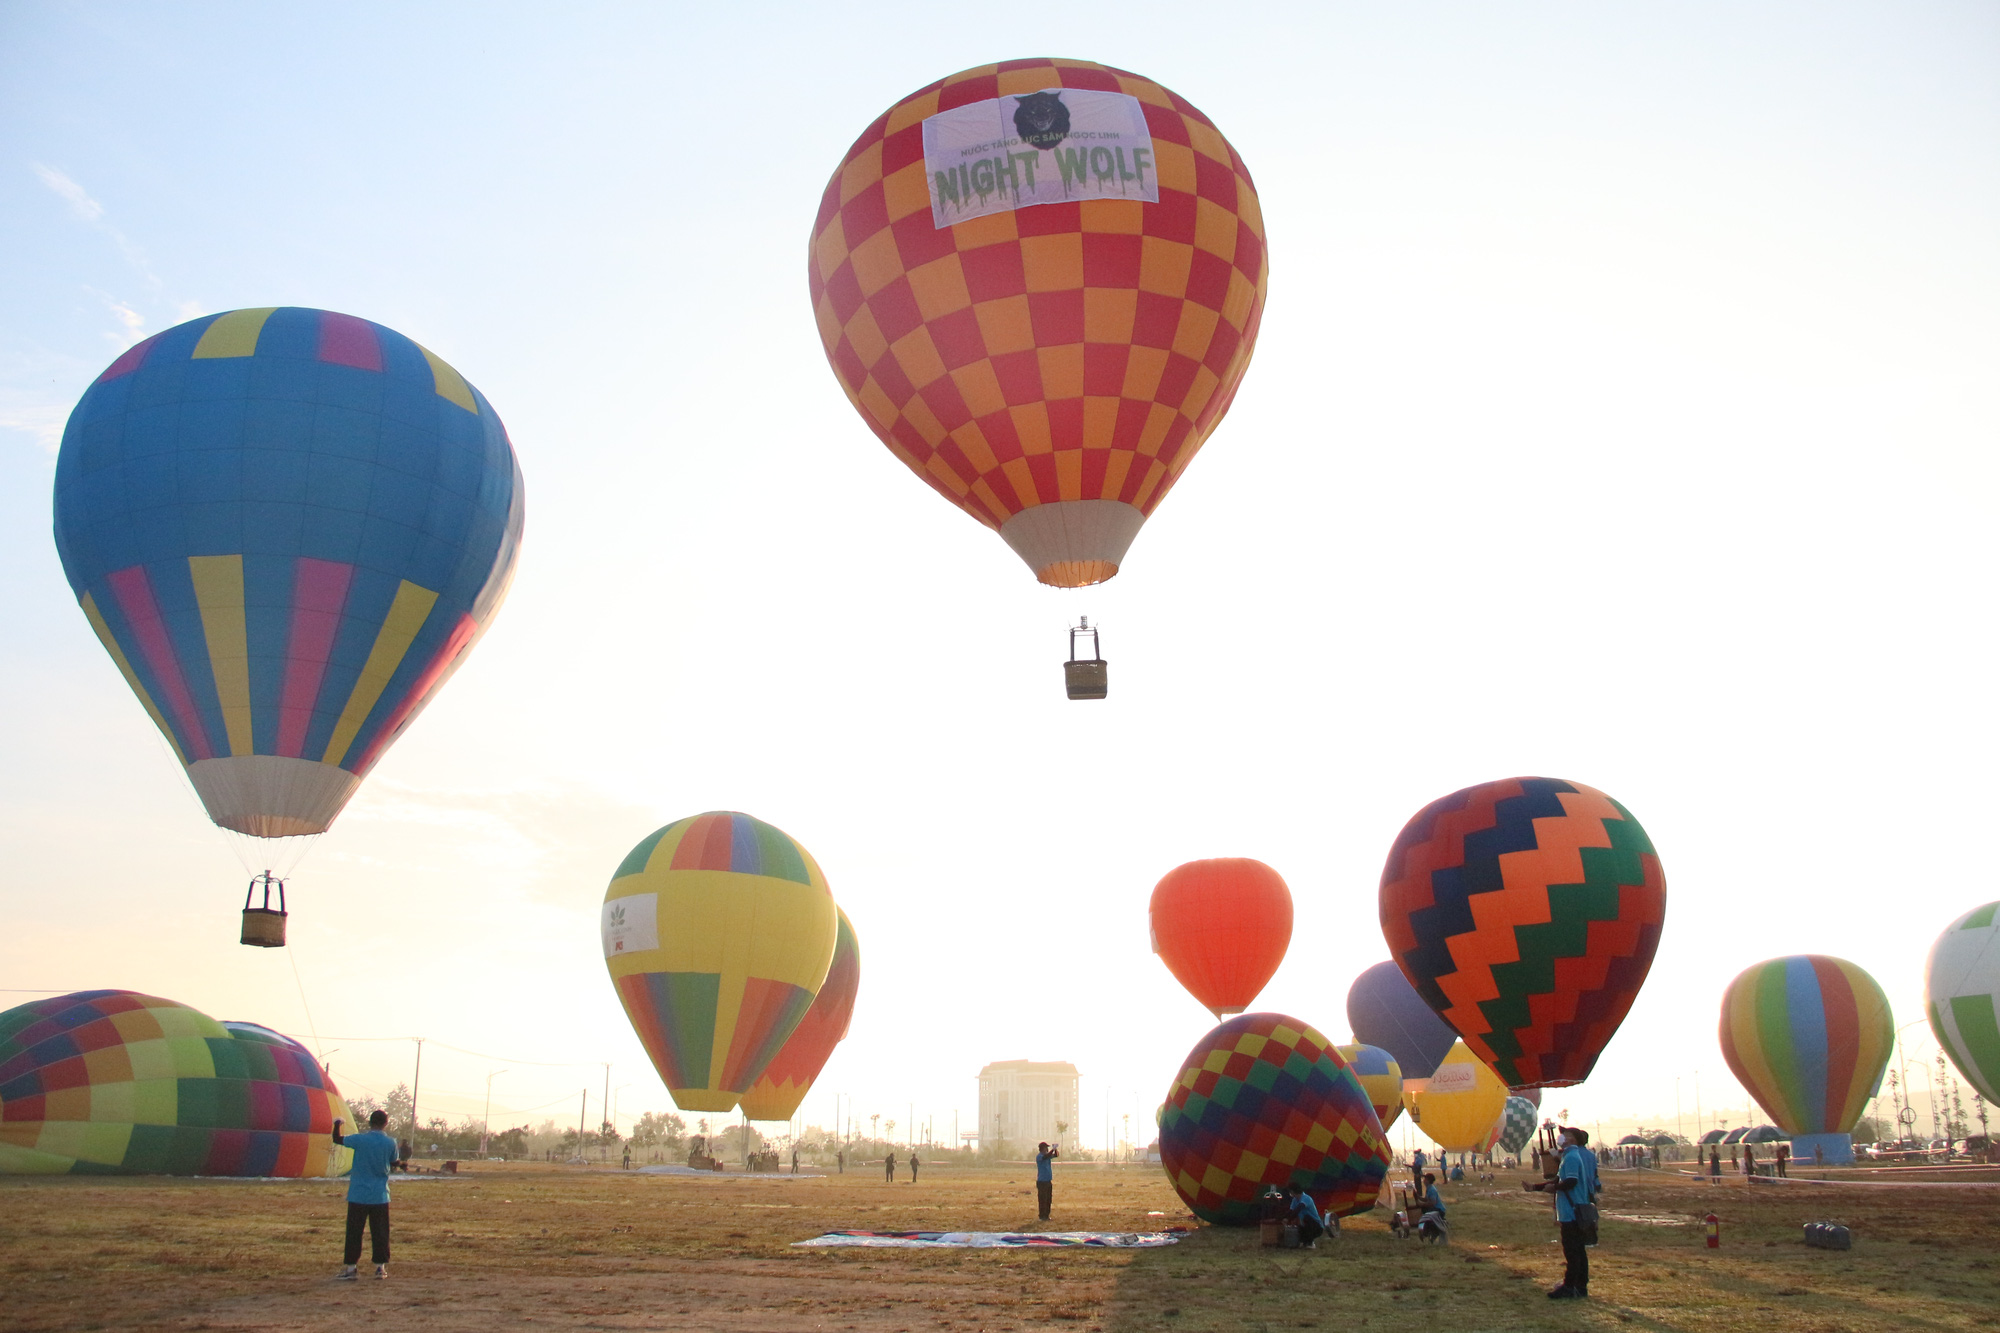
x=368 y=1193
x=1045 y=1176
x=1305 y=1212
x=1433 y=1201
x=1575 y=1185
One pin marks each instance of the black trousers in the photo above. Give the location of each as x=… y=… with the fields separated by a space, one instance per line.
x=1309 y=1231
x=376 y=1215
x=1043 y=1190
x=1576 y=1259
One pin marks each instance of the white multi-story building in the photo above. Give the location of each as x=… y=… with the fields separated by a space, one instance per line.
x=1022 y=1103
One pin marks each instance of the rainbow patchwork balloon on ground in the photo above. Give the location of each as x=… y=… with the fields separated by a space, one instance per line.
x=1517 y=1124
x=1809 y=1037
x=1962 y=996
x=1381 y=1078
x=1526 y=913
x=110 y=1082
x=1265 y=1100
x=718 y=931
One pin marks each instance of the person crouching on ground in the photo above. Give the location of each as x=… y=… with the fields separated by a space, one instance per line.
x=1306 y=1213
x=368 y=1193
x=1045 y=1176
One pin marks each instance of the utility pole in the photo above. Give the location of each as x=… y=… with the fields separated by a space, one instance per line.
x=582 y=1109
x=605 y=1105
x=416 y=1082
x=486 y=1118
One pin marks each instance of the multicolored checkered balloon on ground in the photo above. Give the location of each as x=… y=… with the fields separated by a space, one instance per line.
x=1962 y=996
x=1266 y=1100
x=113 y=1082
x=1526 y=913
x=1041 y=318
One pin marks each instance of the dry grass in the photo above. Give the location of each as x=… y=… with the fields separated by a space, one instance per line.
x=524 y=1246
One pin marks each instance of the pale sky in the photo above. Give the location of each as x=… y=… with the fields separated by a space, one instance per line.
x=1624 y=411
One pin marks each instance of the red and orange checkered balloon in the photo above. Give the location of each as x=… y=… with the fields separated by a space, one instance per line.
x=1049 y=368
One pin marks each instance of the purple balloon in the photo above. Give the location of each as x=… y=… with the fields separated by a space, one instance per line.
x=1384 y=1010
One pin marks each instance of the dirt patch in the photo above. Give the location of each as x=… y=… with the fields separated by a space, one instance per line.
x=540 y=1247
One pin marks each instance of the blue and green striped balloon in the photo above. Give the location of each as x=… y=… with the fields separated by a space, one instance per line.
x=1962 y=996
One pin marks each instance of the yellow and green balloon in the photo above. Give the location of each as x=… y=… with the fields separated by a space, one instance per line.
x=718 y=931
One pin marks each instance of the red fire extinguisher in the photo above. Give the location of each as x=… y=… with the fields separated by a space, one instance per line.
x=1714 y=1225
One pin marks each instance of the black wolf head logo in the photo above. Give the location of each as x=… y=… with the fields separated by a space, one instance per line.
x=1041 y=119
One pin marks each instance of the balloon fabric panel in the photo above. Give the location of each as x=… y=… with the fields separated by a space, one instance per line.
x=718 y=932
x=286 y=526
x=1265 y=1100
x=1809 y=1037
x=113 y=1082
x=1526 y=912
x=1384 y=1009
x=785 y=1081
x=1381 y=1078
x=1055 y=354
x=1962 y=996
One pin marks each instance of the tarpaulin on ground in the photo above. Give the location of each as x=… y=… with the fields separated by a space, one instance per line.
x=990 y=1240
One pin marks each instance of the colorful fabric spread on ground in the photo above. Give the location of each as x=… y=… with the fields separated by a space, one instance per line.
x=997 y=1240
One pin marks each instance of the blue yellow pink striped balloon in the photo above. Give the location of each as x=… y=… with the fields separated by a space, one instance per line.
x=1381 y=1078
x=287 y=527
x=1808 y=1036
x=718 y=931
x=114 y=1082
x=1962 y=996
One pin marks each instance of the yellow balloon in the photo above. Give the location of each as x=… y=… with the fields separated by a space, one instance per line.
x=718 y=931
x=1460 y=1103
x=1381 y=1078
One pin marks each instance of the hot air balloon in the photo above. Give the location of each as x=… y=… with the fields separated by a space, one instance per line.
x=1266 y=1100
x=1809 y=1037
x=718 y=931
x=113 y=1082
x=1517 y=1124
x=1533 y=1096
x=1384 y=1009
x=1461 y=1103
x=1039 y=282
x=1526 y=913
x=1222 y=928
x=1962 y=996
x=1381 y=1078
x=287 y=527
x=785 y=1081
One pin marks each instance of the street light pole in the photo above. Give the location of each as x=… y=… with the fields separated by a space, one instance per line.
x=486 y=1117
x=416 y=1082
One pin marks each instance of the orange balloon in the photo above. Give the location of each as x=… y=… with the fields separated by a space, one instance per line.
x=1222 y=928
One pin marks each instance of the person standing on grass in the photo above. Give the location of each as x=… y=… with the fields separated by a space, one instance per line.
x=1575 y=1186
x=368 y=1193
x=889 y=1167
x=1045 y=1176
x=914 y=1164
x=840 y=1161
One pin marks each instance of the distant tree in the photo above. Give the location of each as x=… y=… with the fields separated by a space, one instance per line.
x=1865 y=1131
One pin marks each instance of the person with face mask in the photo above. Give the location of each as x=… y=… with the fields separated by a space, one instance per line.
x=1576 y=1189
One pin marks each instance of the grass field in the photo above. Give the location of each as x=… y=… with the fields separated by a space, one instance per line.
x=546 y=1247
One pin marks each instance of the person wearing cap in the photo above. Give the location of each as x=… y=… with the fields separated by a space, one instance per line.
x=1575 y=1185
x=367 y=1193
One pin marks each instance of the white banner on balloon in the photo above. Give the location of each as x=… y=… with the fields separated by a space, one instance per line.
x=1048 y=147
x=1462 y=1077
x=631 y=924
